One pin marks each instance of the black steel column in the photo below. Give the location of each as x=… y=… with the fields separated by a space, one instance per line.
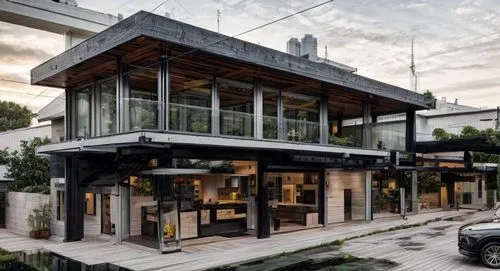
x=74 y=201
x=321 y=198
x=411 y=131
x=263 y=225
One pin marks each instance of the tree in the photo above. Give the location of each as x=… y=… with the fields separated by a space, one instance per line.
x=440 y=134
x=431 y=99
x=14 y=116
x=470 y=131
x=490 y=132
x=428 y=182
x=4 y=157
x=30 y=172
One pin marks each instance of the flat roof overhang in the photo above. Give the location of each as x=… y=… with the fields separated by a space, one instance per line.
x=166 y=140
x=144 y=35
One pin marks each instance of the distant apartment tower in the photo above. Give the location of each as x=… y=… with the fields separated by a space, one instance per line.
x=293 y=47
x=309 y=45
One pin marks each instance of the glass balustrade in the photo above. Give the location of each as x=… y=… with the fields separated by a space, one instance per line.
x=190 y=118
x=270 y=127
x=302 y=130
x=389 y=136
x=142 y=114
x=234 y=123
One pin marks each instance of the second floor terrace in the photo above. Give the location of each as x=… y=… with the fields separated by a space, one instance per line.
x=149 y=73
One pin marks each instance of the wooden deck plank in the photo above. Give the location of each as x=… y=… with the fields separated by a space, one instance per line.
x=206 y=255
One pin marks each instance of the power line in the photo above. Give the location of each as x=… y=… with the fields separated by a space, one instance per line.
x=38 y=95
x=237 y=35
x=29 y=94
x=251 y=30
x=14 y=81
x=157 y=7
x=183 y=7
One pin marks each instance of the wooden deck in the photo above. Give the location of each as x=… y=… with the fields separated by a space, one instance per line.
x=206 y=255
x=16 y=243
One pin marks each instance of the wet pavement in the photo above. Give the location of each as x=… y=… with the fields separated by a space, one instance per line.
x=430 y=247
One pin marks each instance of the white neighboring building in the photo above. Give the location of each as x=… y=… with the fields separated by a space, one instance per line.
x=12 y=139
x=452 y=117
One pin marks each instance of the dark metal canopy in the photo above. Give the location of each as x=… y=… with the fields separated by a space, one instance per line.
x=475 y=144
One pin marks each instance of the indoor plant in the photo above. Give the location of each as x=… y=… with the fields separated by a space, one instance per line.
x=39 y=221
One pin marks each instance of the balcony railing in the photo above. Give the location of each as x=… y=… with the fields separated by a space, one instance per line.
x=190 y=118
x=389 y=136
x=302 y=130
x=235 y=123
x=142 y=114
x=270 y=127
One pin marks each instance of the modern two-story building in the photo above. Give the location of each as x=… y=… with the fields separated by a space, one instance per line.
x=174 y=132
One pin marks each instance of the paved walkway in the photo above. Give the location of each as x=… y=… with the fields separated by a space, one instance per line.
x=431 y=247
x=203 y=256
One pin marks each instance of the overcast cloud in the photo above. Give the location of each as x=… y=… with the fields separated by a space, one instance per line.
x=456 y=42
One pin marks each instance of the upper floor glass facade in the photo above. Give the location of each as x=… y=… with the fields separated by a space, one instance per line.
x=166 y=97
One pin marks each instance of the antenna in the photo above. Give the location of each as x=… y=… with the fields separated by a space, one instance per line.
x=326 y=52
x=413 y=73
x=218 y=15
x=218 y=20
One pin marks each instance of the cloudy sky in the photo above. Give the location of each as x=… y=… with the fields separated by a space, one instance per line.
x=457 y=43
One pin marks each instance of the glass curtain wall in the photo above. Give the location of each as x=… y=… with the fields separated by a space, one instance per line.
x=108 y=106
x=236 y=109
x=301 y=115
x=351 y=133
x=293 y=200
x=190 y=102
x=143 y=212
x=270 y=113
x=385 y=193
x=142 y=104
x=389 y=133
x=82 y=116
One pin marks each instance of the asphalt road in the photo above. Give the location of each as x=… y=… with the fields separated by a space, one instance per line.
x=431 y=247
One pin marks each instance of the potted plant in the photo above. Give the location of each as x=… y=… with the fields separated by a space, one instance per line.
x=39 y=221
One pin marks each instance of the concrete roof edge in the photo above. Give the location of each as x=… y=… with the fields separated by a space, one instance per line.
x=161 y=28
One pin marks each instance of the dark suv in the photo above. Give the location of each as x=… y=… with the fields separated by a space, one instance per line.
x=482 y=240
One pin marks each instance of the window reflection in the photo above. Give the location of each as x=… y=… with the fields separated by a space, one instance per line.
x=108 y=106
x=190 y=103
x=302 y=117
x=143 y=101
x=270 y=111
x=236 y=114
x=83 y=113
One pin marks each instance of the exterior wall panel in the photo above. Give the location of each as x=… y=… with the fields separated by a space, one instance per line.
x=20 y=206
x=339 y=180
